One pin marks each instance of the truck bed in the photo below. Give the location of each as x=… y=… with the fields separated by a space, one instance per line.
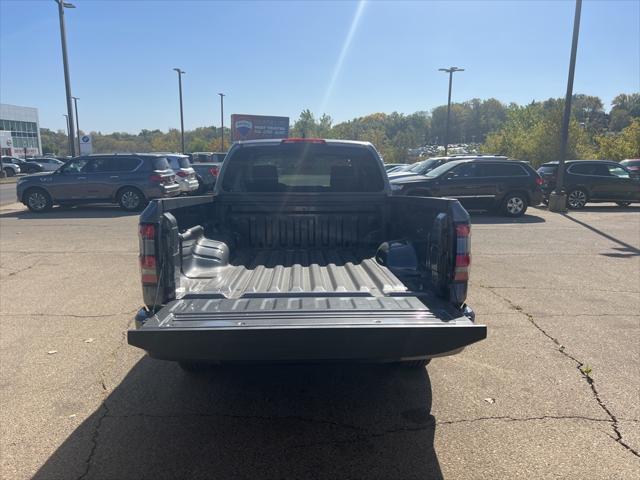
x=296 y=271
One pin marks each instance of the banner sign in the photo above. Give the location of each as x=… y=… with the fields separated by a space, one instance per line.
x=251 y=127
x=86 y=147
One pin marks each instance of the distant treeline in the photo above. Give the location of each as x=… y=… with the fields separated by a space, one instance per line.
x=530 y=132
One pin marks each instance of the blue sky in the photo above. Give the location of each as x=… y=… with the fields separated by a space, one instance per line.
x=281 y=57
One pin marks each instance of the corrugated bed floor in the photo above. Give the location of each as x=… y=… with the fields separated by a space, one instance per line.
x=298 y=271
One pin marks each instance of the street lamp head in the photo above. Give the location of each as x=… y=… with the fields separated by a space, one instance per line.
x=76 y=98
x=451 y=69
x=68 y=5
x=180 y=72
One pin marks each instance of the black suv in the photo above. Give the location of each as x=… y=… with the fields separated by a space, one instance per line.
x=127 y=179
x=479 y=184
x=592 y=181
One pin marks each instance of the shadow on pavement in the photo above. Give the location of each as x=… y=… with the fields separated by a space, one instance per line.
x=607 y=208
x=83 y=211
x=482 y=218
x=296 y=421
x=625 y=249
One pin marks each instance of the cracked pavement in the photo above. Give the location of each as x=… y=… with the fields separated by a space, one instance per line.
x=551 y=393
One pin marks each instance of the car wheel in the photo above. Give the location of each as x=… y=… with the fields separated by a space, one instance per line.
x=37 y=200
x=623 y=204
x=130 y=199
x=577 y=199
x=515 y=204
x=9 y=172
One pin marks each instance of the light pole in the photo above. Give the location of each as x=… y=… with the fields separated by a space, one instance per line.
x=558 y=198
x=75 y=104
x=222 y=95
x=68 y=133
x=180 y=73
x=63 y=38
x=450 y=71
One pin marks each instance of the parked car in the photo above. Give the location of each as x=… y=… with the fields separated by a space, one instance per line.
x=9 y=167
x=424 y=166
x=392 y=166
x=129 y=180
x=28 y=166
x=592 y=181
x=207 y=175
x=632 y=164
x=508 y=186
x=185 y=174
x=399 y=168
x=49 y=164
x=207 y=157
x=264 y=272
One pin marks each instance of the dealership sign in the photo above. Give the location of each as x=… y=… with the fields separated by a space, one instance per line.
x=251 y=127
x=86 y=146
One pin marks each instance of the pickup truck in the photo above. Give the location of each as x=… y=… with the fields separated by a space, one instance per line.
x=302 y=254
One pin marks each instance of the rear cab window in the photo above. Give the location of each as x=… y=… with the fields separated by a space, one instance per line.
x=303 y=167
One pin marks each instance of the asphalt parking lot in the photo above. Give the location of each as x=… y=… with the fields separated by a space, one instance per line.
x=552 y=393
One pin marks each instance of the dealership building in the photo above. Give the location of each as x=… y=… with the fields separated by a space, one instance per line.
x=19 y=131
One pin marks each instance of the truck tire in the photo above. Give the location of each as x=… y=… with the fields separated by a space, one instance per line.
x=37 y=200
x=130 y=199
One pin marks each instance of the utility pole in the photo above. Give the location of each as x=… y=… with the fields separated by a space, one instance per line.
x=63 y=38
x=558 y=198
x=222 y=95
x=68 y=133
x=180 y=73
x=75 y=104
x=450 y=71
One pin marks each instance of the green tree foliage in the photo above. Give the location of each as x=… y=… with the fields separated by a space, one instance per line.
x=530 y=132
x=625 y=144
x=624 y=108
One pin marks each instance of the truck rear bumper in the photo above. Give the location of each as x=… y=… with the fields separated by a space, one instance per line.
x=364 y=336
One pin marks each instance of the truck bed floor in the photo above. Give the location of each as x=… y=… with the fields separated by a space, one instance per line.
x=299 y=271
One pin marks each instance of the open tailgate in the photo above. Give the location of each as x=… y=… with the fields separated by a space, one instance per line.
x=257 y=328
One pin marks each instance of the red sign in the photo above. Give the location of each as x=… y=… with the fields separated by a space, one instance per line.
x=251 y=127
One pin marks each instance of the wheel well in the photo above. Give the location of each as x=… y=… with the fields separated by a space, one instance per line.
x=580 y=187
x=524 y=193
x=31 y=189
x=132 y=187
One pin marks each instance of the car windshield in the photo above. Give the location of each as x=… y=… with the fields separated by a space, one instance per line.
x=436 y=172
x=547 y=169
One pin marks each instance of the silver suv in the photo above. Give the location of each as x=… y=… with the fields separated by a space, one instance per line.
x=129 y=180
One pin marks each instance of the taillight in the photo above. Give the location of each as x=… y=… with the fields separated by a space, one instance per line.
x=147 y=231
x=148 y=264
x=539 y=181
x=214 y=170
x=148 y=269
x=155 y=178
x=182 y=174
x=463 y=252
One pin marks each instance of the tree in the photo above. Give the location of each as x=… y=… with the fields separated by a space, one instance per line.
x=625 y=144
x=624 y=108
